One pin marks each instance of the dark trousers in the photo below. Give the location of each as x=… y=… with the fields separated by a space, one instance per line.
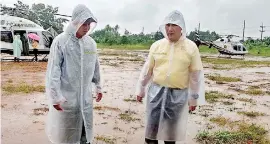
x=35 y=53
x=83 y=137
x=16 y=59
x=148 y=141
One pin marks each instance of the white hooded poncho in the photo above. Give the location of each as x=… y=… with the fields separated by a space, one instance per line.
x=73 y=66
x=167 y=107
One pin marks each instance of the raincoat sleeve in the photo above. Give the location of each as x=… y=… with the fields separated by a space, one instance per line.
x=96 y=77
x=196 y=80
x=20 y=44
x=146 y=73
x=54 y=73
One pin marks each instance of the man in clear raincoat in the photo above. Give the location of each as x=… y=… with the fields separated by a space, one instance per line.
x=73 y=66
x=175 y=73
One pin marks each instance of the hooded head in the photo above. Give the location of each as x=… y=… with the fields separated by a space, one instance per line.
x=17 y=36
x=82 y=23
x=173 y=26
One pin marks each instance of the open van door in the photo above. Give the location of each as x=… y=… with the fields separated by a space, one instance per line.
x=47 y=39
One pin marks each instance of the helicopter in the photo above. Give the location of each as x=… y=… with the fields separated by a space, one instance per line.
x=11 y=25
x=229 y=45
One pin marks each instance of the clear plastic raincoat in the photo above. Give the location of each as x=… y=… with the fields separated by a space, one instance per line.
x=175 y=74
x=17 y=46
x=73 y=66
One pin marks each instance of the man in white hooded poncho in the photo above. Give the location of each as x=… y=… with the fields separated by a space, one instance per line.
x=17 y=47
x=73 y=66
x=175 y=73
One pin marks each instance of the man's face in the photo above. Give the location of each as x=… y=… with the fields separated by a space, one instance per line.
x=84 y=28
x=174 y=32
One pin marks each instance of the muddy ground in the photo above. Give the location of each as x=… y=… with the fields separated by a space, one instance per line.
x=118 y=118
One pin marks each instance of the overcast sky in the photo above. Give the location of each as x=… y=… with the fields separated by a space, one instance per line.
x=222 y=16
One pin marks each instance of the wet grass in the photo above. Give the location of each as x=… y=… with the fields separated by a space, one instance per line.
x=130 y=100
x=242 y=134
x=214 y=96
x=254 y=87
x=206 y=49
x=221 y=63
x=106 y=139
x=134 y=59
x=40 y=111
x=22 y=88
x=250 y=91
x=260 y=72
x=221 y=121
x=99 y=108
x=217 y=67
x=251 y=114
x=254 y=90
x=122 y=53
x=259 y=51
x=25 y=66
x=3 y=105
x=246 y=100
x=124 y=46
x=113 y=64
x=104 y=123
x=131 y=59
x=227 y=103
x=221 y=79
x=118 y=129
x=266 y=105
x=128 y=117
x=10 y=81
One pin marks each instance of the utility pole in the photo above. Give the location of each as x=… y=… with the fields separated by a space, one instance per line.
x=244 y=30
x=262 y=31
x=199 y=27
x=197 y=34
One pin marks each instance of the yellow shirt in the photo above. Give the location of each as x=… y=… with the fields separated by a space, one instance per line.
x=185 y=59
x=35 y=45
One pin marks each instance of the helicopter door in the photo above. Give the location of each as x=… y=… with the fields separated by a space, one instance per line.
x=235 y=47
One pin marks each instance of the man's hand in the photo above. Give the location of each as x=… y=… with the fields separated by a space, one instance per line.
x=139 y=98
x=57 y=107
x=99 y=97
x=192 y=108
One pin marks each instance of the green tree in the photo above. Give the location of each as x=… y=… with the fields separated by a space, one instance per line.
x=158 y=35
